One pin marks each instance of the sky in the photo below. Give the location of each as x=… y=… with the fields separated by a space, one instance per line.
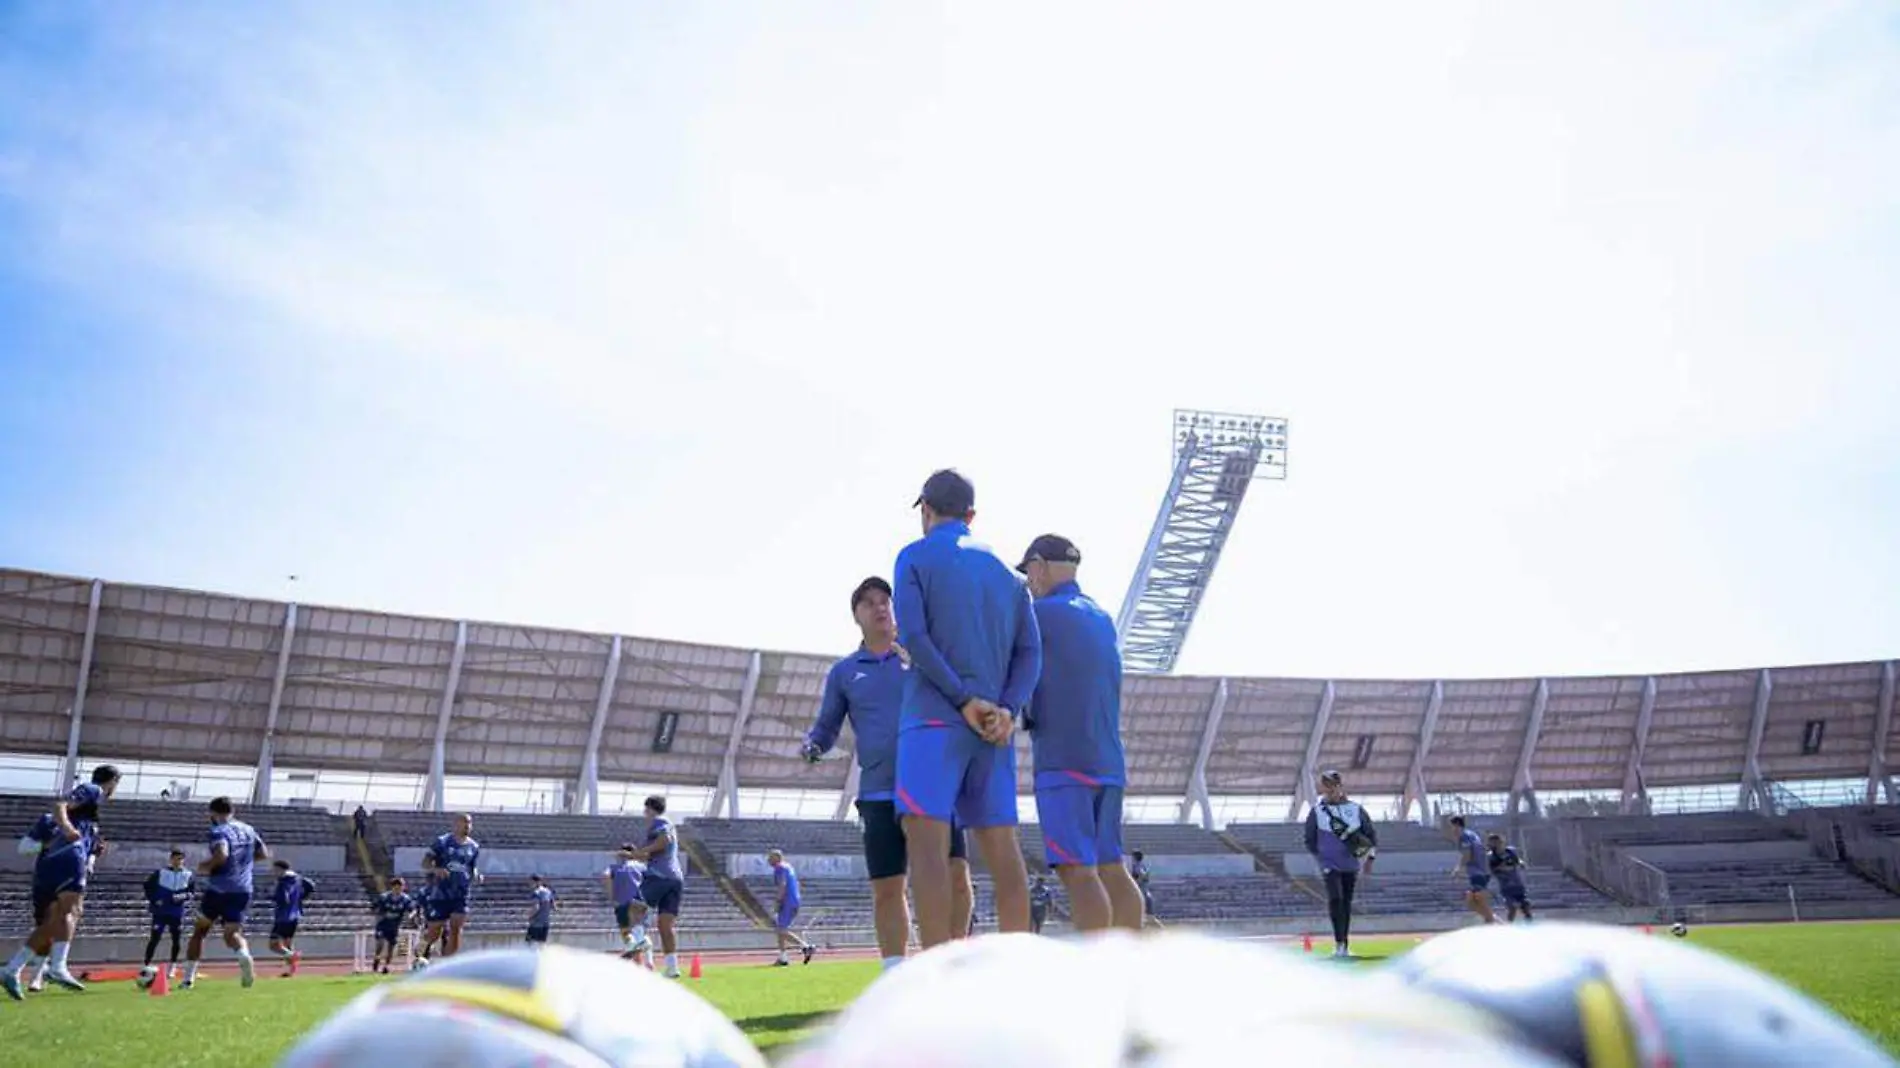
x=653 y=318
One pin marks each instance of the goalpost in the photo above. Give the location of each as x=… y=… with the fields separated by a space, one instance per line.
x=365 y=950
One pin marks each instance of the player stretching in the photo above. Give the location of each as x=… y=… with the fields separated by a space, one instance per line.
x=67 y=838
x=665 y=881
x=1341 y=837
x=167 y=894
x=392 y=906
x=541 y=913
x=1472 y=864
x=966 y=622
x=785 y=879
x=235 y=846
x=1508 y=868
x=288 y=898
x=622 y=883
x=452 y=862
x=1074 y=721
x=867 y=688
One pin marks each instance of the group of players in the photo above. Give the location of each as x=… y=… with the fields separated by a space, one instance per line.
x=67 y=841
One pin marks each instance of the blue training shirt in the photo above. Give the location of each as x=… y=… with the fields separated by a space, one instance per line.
x=1075 y=717
x=167 y=892
x=240 y=840
x=965 y=618
x=1471 y=848
x=625 y=876
x=543 y=907
x=868 y=689
x=1507 y=866
x=786 y=880
x=82 y=811
x=664 y=864
x=458 y=859
x=289 y=894
x=392 y=906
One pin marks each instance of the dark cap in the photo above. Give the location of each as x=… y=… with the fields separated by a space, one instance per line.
x=1329 y=775
x=865 y=587
x=948 y=493
x=1051 y=548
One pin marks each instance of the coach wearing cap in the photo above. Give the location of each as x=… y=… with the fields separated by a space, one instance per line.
x=975 y=655
x=1341 y=837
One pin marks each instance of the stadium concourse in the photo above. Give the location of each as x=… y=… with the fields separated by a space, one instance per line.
x=1570 y=769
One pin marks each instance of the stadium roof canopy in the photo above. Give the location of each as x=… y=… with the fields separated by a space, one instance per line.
x=139 y=672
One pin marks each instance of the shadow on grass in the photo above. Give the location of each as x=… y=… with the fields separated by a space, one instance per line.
x=785 y=1021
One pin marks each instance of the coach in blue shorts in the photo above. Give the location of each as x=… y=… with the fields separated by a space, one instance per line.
x=1075 y=721
x=965 y=620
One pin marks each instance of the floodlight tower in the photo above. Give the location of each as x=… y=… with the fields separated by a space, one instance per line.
x=1217 y=455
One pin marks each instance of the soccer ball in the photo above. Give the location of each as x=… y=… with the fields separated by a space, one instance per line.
x=147 y=976
x=1594 y=996
x=418 y=964
x=1680 y=930
x=554 y=1006
x=1176 y=1000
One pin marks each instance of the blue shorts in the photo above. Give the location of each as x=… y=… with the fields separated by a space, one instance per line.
x=948 y=773
x=1081 y=825
x=224 y=906
x=537 y=935
x=284 y=929
x=437 y=908
x=387 y=931
x=64 y=873
x=1479 y=882
x=1512 y=892
x=786 y=914
x=661 y=894
x=623 y=914
x=162 y=924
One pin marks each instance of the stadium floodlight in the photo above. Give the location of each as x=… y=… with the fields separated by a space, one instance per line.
x=1216 y=456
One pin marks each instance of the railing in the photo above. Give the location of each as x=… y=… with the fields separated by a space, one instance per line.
x=1873 y=856
x=1624 y=877
x=1786 y=802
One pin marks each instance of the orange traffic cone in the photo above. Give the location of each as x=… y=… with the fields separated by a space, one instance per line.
x=1647 y=929
x=1306 y=943
x=694 y=971
x=162 y=984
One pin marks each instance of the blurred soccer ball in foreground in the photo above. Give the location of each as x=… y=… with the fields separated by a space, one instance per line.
x=1602 y=996
x=554 y=1007
x=1177 y=1000
x=1680 y=930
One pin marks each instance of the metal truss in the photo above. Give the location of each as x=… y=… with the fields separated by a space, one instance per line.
x=1216 y=457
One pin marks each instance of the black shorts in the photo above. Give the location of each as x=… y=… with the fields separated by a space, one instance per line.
x=537 y=934
x=388 y=932
x=164 y=924
x=662 y=895
x=886 y=854
x=285 y=931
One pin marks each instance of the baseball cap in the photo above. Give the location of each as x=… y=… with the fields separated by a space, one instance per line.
x=865 y=587
x=1053 y=548
x=947 y=493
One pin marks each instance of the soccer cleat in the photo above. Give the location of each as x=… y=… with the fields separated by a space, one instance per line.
x=672 y=972
x=781 y=963
x=810 y=952
x=247 y=971
x=10 y=982
x=296 y=959
x=36 y=986
x=65 y=978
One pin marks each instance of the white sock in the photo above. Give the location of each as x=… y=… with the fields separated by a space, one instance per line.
x=639 y=934
x=39 y=971
x=673 y=961
x=20 y=960
x=58 y=960
x=244 y=954
x=191 y=971
x=781 y=956
x=631 y=940
x=286 y=952
x=892 y=962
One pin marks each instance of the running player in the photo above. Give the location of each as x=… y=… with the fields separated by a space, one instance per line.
x=391 y=907
x=235 y=846
x=67 y=838
x=541 y=914
x=1472 y=865
x=1340 y=836
x=867 y=688
x=1138 y=871
x=1508 y=869
x=968 y=627
x=167 y=895
x=452 y=862
x=622 y=882
x=785 y=880
x=287 y=899
x=665 y=880
x=1074 y=721
x=1041 y=895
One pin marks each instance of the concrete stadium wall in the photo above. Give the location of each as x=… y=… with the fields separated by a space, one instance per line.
x=145 y=856
x=808 y=865
x=1717 y=852
x=1303 y=864
x=551 y=862
x=1200 y=864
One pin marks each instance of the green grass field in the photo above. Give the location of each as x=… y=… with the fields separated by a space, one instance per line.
x=1849 y=966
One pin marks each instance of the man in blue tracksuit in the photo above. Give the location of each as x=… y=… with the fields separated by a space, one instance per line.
x=1075 y=720
x=1341 y=837
x=867 y=688
x=965 y=619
